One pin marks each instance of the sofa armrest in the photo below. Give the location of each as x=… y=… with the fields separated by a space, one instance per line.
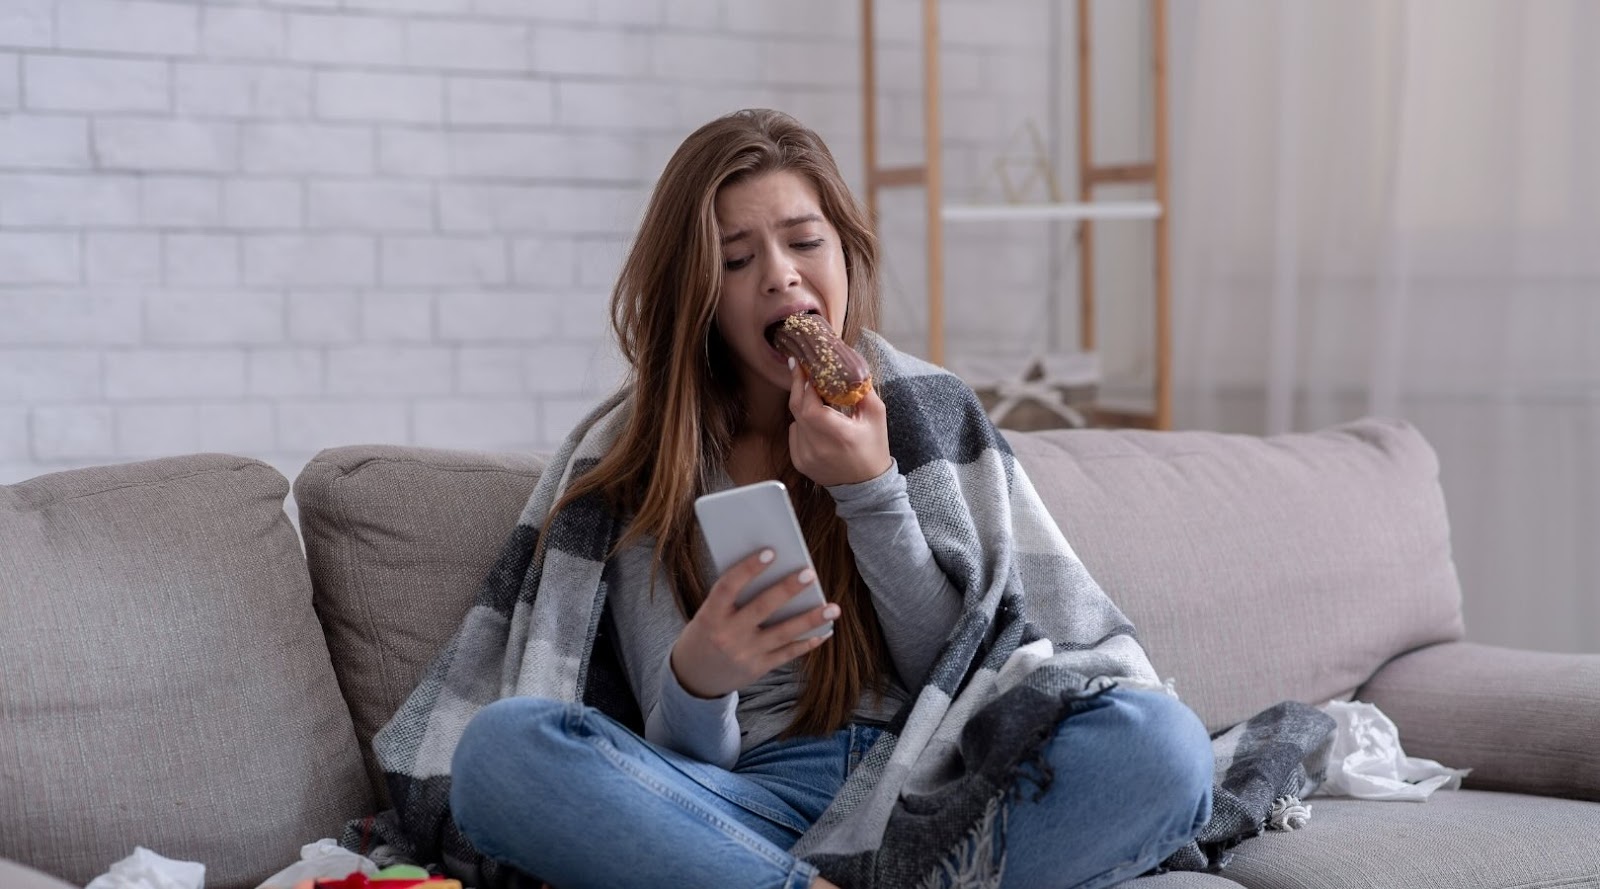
x=1523 y=721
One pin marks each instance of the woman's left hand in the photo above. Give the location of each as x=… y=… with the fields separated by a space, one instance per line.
x=832 y=447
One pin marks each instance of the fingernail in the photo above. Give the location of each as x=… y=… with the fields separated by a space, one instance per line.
x=766 y=556
x=807 y=576
x=791 y=363
x=831 y=612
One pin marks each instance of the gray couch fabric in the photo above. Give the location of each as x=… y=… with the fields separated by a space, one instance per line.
x=1182 y=880
x=15 y=876
x=398 y=540
x=165 y=682
x=1303 y=529
x=1458 y=839
x=1259 y=570
x=1527 y=721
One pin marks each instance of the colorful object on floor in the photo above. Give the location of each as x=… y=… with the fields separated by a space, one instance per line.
x=399 y=876
x=402 y=872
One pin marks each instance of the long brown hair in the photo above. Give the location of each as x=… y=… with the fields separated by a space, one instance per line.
x=685 y=396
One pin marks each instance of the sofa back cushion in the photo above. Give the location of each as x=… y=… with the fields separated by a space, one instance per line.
x=1256 y=569
x=1259 y=569
x=398 y=540
x=163 y=679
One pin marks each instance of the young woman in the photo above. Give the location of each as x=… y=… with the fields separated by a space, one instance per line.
x=749 y=733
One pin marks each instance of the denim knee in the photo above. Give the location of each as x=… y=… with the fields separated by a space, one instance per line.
x=500 y=741
x=1168 y=747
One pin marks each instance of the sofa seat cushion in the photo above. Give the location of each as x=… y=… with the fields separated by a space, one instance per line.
x=163 y=678
x=15 y=876
x=398 y=540
x=1181 y=880
x=1462 y=839
x=1259 y=570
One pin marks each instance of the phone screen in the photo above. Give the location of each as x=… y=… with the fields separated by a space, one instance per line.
x=739 y=521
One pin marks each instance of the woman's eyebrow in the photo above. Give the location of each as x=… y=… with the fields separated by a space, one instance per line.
x=791 y=222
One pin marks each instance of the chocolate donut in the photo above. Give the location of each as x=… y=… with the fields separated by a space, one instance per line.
x=838 y=372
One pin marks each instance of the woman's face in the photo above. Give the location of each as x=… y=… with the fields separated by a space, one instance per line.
x=780 y=255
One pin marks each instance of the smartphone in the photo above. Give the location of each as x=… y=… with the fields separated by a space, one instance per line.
x=742 y=520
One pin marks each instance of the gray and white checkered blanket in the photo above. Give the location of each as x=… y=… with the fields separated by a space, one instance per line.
x=1035 y=638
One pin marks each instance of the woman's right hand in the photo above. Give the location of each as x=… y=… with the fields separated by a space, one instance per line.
x=724 y=648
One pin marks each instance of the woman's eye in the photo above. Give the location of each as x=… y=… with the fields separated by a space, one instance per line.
x=734 y=265
x=808 y=245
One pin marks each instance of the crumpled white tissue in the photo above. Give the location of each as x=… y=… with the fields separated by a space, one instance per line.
x=1366 y=760
x=145 y=869
x=324 y=858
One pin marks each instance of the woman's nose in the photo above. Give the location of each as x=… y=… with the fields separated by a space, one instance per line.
x=780 y=275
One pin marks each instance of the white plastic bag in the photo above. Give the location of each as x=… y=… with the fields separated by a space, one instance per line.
x=324 y=858
x=1366 y=760
x=145 y=869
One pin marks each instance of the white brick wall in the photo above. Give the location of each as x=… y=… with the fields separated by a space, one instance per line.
x=31 y=142
x=306 y=149
x=27 y=23
x=268 y=227
x=339 y=260
x=179 y=202
x=241 y=33
x=119 y=258
x=263 y=203
x=39 y=258
x=254 y=92
x=128 y=26
x=66 y=83
x=365 y=96
x=500 y=100
x=10 y=80
x=376 y=205
x=162 y=144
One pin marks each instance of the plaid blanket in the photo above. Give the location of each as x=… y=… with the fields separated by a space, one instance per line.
x=923 y=807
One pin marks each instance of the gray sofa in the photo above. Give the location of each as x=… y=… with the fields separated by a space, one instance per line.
x=176 y=673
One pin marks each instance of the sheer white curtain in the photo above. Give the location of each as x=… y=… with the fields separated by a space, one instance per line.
x=1393 y=207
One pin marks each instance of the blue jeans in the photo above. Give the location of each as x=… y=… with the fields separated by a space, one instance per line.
x=563 y=791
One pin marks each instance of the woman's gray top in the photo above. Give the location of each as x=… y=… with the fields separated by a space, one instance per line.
x=915 y=602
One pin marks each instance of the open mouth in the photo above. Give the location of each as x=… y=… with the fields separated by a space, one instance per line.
x=772 y=329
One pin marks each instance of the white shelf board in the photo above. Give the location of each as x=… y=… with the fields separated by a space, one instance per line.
x=990 y=369
x=1096 y=210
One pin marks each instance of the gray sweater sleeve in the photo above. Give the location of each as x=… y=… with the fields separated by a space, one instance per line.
x=647 y=627
x=916 y=603
x=704 y=728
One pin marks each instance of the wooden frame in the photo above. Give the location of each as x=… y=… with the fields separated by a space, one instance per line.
x=1086 y=211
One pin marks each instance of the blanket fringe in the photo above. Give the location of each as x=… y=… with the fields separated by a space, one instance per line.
x=1288 y=813
x=979 y=860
